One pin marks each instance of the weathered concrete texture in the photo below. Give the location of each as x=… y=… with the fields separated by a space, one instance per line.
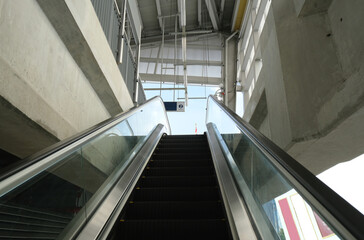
x=90 y=166
x=78 y=26
x=80 y=172
x=314 y=84
x=39 y=77
x=346 y=19
x=270 y=80
x=19 y=135
x=311 y=70
x=310 y=7
x=232 y=56
x=340 y=130
x=343 y=143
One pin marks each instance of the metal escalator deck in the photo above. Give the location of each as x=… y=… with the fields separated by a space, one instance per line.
x=177 y=195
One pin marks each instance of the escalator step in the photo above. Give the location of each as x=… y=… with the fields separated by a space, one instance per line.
x=174 y=210
x=181 y=156
x=191 y=145
x=176 y=194
x=179 y=171
x=194 y=137
x=180 y=150
x=173 y=181
x=173 y=229
x=184 y=140
x=180 y=163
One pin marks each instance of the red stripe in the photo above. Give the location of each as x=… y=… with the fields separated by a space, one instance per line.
x=288 y=219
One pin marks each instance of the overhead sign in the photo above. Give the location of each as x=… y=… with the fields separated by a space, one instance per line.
x=174 y=106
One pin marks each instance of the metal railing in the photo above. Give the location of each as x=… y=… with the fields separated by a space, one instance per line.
x=343 y=218
x=85 y=168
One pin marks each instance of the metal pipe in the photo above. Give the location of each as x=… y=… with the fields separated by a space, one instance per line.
x=192 y=98
x=121 y=35
x=168 y=16
x=160 y=89
x=136 y=83
x=192 y=32
x=222 y=6
x=226 y=70
x=184 y=46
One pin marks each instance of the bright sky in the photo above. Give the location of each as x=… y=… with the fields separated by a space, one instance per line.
x=195 y=113
x=347 y=180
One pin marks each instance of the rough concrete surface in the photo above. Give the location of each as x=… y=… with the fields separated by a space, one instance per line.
x=314 y=84
x=342 y=144
x=78 y=26
x=40 y=78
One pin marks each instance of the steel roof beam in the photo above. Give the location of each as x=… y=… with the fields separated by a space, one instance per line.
x=180 y=79
x=159 y=11
x=179 y=62
x=211 y=7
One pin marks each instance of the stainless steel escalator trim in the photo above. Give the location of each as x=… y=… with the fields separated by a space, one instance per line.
x=107 y=213
x=52 y=155
x=343 y=217
x=238 y=216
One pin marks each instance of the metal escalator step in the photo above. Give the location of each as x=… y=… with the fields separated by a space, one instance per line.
x=176 y=194
x=175 y=181
x=179 y=171
x=173 y=229
x=191 y=145
x=184 y=137
x=183 y=143
x=175 y=210
x=180 y=150
x=181 y=156
x=180 y=163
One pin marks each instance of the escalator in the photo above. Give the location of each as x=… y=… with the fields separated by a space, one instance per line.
x=177 y=196
x=129 y=178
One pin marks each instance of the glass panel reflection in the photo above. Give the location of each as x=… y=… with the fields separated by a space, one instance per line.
x=270 y=197
x=43 y=206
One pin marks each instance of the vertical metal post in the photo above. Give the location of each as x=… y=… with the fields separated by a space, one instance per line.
x=184 y=45
x=162 y=53
x=226 y=69
x=137 y=79
x=175 y=57
x=122 y=34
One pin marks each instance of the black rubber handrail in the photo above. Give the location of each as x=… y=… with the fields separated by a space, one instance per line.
x=340 y=209
x=28 y=161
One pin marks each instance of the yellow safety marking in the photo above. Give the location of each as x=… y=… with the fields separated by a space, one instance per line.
x=240 y=14
x=143 y=176
x=122 y=220
x=131 y=202
x=138 y=188
x=147 y=167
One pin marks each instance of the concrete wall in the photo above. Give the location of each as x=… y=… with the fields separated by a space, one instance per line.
x=312 y=75
x=232 y=55
x=270 y=80
x=57 y=73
